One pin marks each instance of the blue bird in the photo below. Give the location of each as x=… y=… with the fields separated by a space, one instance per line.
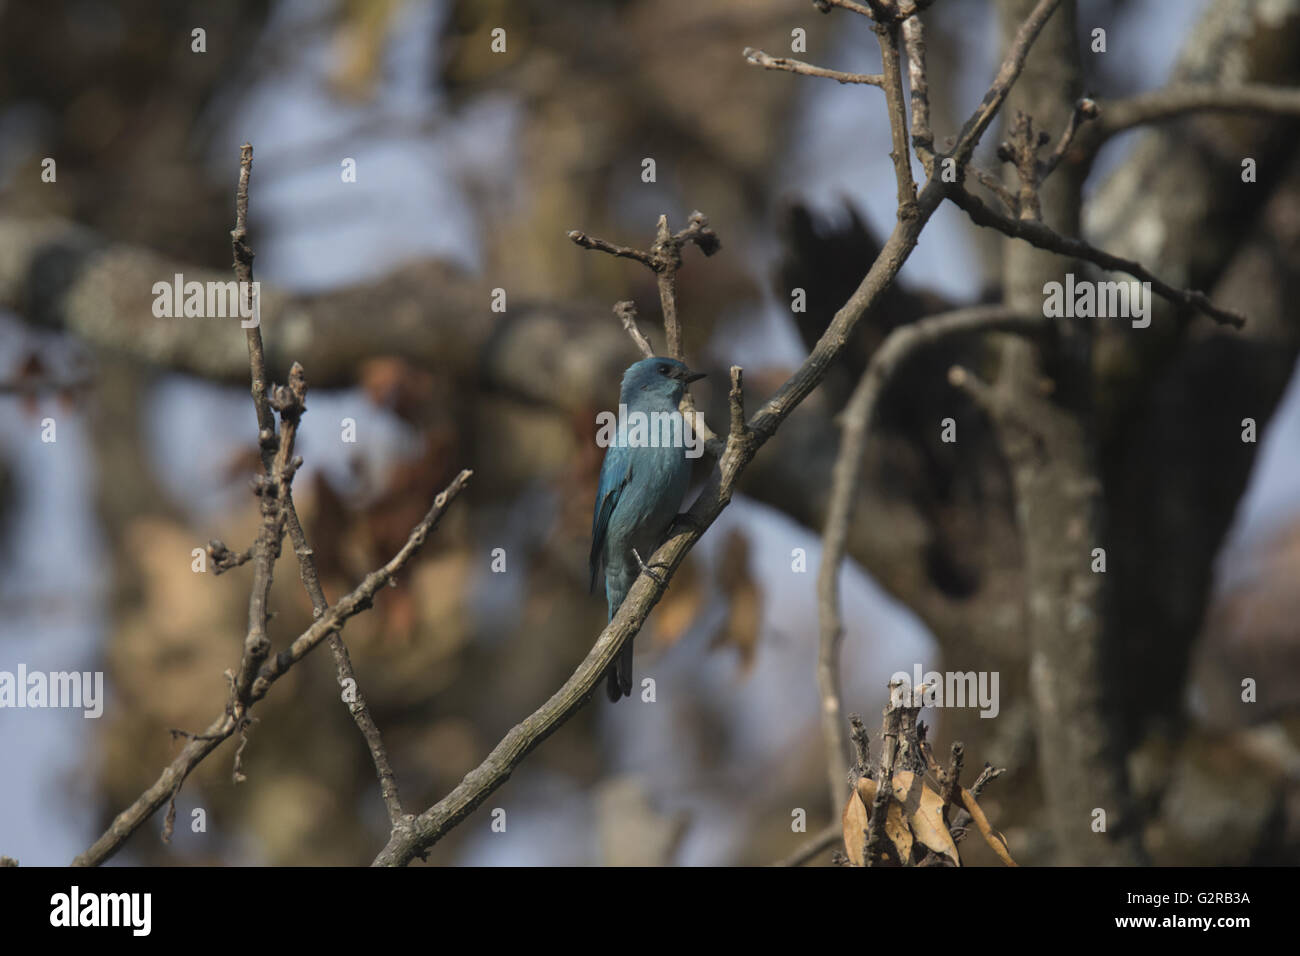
x=642 y=483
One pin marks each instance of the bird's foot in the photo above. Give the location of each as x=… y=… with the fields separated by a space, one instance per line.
x=650 y=568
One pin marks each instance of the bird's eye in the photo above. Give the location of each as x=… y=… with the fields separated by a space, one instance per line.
x=663 y=369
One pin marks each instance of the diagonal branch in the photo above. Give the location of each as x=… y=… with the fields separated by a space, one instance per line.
x=626 y=312
x=1044 y=237
x=973 y=129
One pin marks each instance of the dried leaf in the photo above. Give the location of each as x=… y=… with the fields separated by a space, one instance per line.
x=898 y=832
x=679 y=608
x=924 y=809
x=744 y=602
x=854 y=820
x=360 y=40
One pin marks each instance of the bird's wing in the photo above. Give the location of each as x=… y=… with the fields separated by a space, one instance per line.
x=614 y=476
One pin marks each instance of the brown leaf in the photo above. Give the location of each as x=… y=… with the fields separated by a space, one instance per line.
x=897 y=830
x=744 y=603
x=924 y=809
x=854 y=820
x=393 y=382
x=679 y=607
x=360 y=39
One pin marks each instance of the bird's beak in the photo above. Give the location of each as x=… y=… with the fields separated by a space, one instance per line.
x=693 y=377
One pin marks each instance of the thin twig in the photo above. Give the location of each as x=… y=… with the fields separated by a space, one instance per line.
x=825 y=6
x=789 y=65
x=973 y=129
x=952 y=776
x=345 y=673
x=861 y=738
x=667 y=251
x=1084 y=110
x=994 y=185
x=815 y=846
x=270 y=485
x=600 y=245
x=888 y=35
x=626 y=312
x=919 y=84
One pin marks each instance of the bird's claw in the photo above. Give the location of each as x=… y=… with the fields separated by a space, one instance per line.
x=650 y=569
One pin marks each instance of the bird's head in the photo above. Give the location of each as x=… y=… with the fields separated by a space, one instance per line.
x=657 y=377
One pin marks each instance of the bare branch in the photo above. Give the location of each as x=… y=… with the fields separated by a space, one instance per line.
x=626 y=312
x=623 y=252
x=1042 y=236
x=345 y=673
x=1013 y=63
x=669 y=258
x=994 y=185
x=1084 y=110
x=825 y=7
x=952 y=776
x=274 y=451
x=891 y=61
x=663 y=259
x=736 y=400
x=818 y=844
x=767 y=62
x=1175 y=101
x=919 y=84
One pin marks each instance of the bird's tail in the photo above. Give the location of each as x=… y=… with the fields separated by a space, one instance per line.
x=618 y=679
